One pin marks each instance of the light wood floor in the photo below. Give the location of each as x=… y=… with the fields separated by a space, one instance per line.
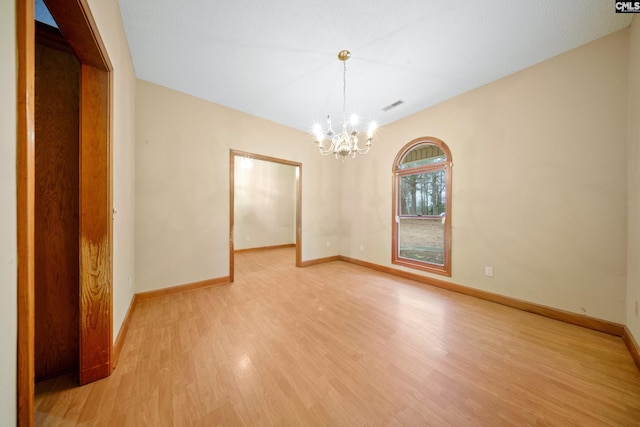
x=339 y=345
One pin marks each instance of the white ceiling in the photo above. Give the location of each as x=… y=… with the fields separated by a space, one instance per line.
x=277 y=59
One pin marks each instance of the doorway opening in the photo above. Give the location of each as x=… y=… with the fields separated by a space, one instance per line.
x=278 y=218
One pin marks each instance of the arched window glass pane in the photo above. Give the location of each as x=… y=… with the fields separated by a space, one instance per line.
x=423 y=154
x=422 y=206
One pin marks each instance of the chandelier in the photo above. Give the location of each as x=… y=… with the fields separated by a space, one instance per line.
x=343 y=143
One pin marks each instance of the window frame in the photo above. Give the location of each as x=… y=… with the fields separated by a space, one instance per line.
x=442 y=269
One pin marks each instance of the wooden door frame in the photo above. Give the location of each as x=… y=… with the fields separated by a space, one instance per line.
x=96 y=194
x=298 y=183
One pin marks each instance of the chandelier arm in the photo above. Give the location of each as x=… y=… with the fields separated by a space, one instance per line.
x=325 y=151
x=364 y=150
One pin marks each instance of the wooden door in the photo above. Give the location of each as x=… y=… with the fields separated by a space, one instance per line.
x=57 y=86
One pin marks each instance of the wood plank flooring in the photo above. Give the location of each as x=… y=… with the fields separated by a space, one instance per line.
x=340 y=345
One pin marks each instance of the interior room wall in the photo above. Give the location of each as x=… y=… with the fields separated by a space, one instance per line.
x=182 y=185
x=264 y=196
x=109 y=22
x=633 y=174
x=539 y=182
x=8 y=249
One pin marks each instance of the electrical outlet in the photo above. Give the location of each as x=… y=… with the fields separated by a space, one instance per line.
x=637 y=309
x=488 y=271
x=328 y=244
x=130 y=282
x=361 y=248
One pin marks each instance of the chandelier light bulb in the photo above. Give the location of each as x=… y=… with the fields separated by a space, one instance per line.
x=372 y=128
x=317 y=131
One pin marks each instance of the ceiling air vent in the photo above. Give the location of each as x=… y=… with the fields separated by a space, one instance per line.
x=393 y=105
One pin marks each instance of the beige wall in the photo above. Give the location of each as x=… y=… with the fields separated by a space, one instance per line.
x=8 y=255
x=182 y=185
x=633 y=175
x=109 y=22
x=539 y=182
x=264 y=204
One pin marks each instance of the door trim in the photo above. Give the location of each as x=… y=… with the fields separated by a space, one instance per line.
x=25 y=188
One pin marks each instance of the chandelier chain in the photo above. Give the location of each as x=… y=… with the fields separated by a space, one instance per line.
x=344 y=91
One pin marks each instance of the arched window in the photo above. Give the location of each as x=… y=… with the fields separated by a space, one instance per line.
x=422 y=206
